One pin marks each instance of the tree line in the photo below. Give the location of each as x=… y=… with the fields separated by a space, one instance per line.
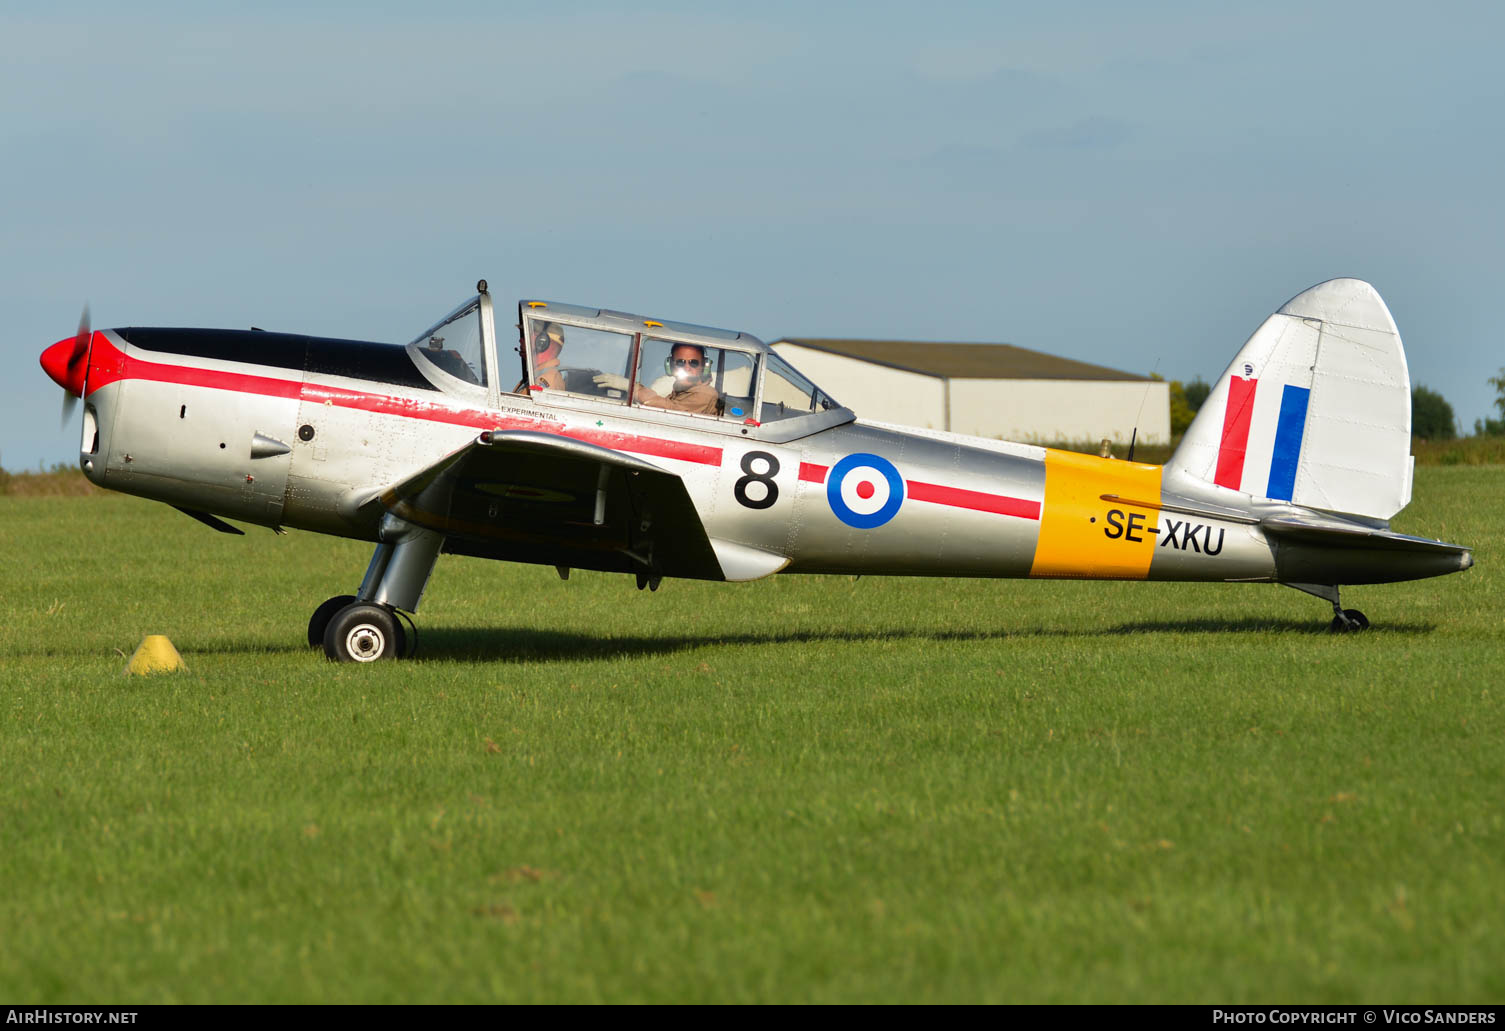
x=1432 y=417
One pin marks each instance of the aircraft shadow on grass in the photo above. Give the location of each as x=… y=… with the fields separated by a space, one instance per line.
x=441 y=644
x=1245 y=626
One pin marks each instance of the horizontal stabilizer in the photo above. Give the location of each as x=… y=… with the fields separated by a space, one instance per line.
x=1334 y=535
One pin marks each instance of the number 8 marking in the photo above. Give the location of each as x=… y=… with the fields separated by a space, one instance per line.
x=771 y=489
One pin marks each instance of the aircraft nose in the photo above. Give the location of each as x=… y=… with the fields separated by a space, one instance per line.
x=64 y=366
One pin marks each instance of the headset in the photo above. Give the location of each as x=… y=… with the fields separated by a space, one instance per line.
x=705 y=360
x=544 y=349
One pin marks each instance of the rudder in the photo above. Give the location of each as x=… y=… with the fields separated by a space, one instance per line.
x=1315 y=409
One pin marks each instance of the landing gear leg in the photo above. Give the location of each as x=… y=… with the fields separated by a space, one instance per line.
x=1344 y=620
x=366 y=627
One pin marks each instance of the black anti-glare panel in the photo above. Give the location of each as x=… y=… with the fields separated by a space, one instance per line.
x=385 y=363
x=357 y=359
x=282 y=350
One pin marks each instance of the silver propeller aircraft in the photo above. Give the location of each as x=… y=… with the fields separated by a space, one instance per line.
x=628 y=444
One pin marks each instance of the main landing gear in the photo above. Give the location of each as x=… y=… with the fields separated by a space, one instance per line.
x=367 y=626
x=1344 y=620
x=364 y=633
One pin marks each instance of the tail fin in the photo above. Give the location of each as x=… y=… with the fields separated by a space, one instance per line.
x=1315 y=409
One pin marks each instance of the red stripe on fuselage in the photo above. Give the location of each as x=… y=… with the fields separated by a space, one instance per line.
x=1235 y=439
x=115 y=365
x=976 y=500
x=937 y=494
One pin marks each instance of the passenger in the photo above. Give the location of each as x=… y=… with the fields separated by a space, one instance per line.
x=546 y=347
x=691 y=390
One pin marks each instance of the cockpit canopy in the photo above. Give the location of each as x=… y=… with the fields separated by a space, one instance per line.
x=568 y=354
x=673 y=366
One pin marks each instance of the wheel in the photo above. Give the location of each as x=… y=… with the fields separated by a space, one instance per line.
x=321 y=617
x=363 y=633
x=1351 y=621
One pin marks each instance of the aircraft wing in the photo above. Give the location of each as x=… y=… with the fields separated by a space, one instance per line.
x=537 y=497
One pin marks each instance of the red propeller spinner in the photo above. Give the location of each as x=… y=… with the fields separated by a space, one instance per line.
x=67 y=362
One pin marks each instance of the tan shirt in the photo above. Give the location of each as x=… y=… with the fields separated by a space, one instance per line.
x=549 y=377
x=700 y=398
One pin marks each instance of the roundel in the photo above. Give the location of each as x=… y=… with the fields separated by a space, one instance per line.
x=864 y=491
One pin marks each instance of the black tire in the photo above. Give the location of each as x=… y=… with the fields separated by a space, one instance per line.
x=321 y=617
x=363 y=633
x=1352 y=621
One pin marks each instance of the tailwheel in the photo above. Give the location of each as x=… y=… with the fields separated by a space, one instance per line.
x=1345 y=621
x=1348 y=621
x=363 y=633
x=322 y=615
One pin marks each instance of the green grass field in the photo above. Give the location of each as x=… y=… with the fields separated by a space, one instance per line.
x=801 y=789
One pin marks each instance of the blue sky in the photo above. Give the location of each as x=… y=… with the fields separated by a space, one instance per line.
x=1133 y=185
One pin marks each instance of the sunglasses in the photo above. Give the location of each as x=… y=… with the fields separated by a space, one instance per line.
x=693 y=363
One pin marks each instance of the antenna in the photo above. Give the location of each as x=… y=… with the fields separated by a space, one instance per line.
x=1134 y=435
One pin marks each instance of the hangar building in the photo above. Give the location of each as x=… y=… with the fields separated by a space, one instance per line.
x=986 y=390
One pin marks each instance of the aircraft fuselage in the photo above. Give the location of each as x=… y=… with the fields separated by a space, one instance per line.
x=420 y=449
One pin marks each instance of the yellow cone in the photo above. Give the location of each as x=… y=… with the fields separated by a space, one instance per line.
x=156 y=655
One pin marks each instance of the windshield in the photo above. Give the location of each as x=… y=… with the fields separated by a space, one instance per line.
x=787 y=393
x=453 y=345
x=685 y=377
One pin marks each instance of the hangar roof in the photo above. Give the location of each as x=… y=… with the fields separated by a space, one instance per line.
x=962 y=361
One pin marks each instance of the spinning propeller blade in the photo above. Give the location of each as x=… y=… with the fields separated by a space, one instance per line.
x=67 y=362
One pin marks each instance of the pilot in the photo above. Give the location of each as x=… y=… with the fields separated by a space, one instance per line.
x=691 y=390
x=546 y=347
